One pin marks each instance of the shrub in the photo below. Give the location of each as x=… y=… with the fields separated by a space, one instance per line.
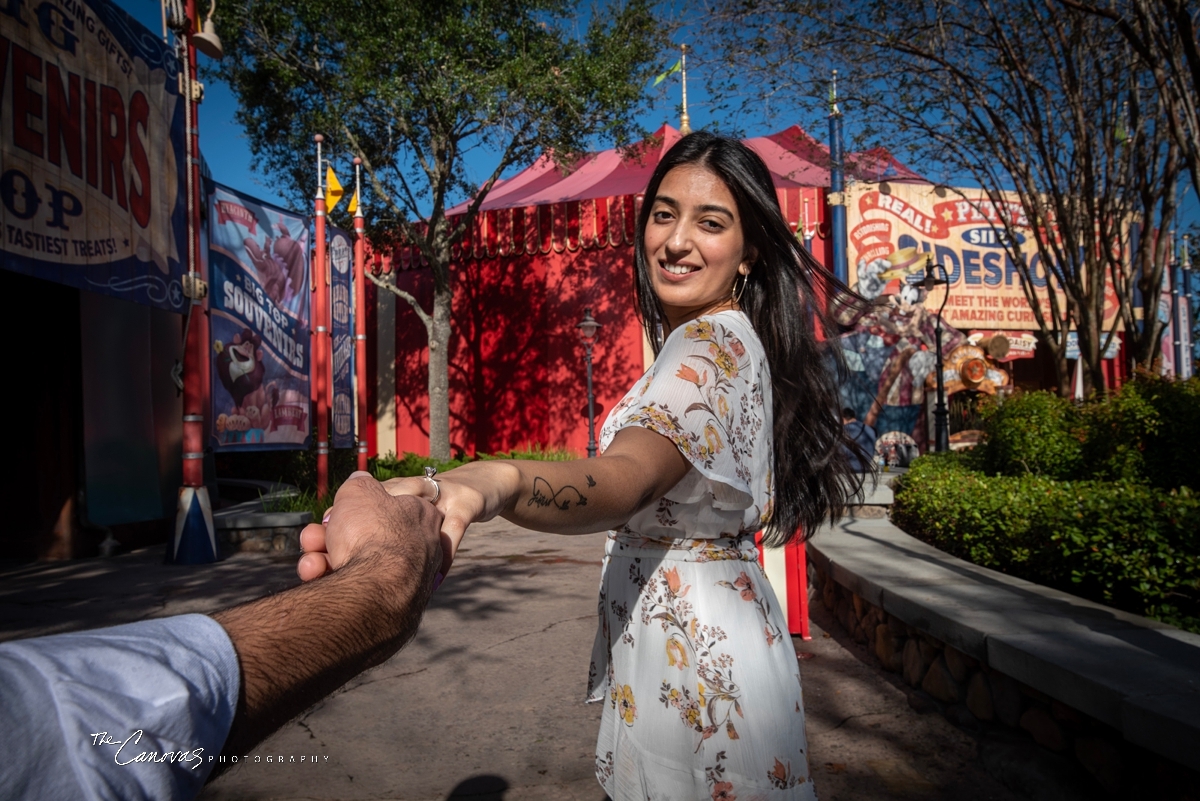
x=303 y=501
x=535 y=453
x=297 y=467
x=1146 y=432
x=1121 y=543
x=410 y=464
x=1033 y=433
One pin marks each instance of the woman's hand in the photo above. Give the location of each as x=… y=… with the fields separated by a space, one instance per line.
x=363 y=519
x=473 y=493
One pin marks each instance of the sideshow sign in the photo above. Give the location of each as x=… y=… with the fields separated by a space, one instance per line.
x=92 y=152
x=259 y=294
x=894 y=229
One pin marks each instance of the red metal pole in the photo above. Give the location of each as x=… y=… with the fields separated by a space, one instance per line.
x=796 y=559
x=321 y=334
x=196 y=348
x=194 y=541
x=360 y=317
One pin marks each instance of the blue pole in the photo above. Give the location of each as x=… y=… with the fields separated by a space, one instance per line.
x=837 y=186
x=1176 y=334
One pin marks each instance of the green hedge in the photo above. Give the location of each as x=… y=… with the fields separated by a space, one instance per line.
x=1034 y=433
x=1121 y=543
x=1147 y=433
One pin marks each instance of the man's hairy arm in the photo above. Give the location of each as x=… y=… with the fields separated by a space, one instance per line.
x=298 y=646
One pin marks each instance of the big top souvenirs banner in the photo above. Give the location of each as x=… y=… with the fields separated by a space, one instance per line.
x=91 y=151
x=258 y=258
x=894 y=228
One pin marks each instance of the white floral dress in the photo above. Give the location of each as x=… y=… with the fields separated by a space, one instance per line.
x=699 y=679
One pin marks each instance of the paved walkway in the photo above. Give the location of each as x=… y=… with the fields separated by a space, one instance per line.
x=486 y=702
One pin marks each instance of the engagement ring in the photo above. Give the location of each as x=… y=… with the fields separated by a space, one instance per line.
x=430 y=472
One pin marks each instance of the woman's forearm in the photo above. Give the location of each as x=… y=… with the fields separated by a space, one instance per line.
x=579 y=497
x=585 y=495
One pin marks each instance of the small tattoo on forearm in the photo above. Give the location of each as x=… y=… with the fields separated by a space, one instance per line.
x=545 y=495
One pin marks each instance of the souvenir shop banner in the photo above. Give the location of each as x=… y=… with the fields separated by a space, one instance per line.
x=892 y=232
x=91 y=151
x=341 y=259
x=259 y=297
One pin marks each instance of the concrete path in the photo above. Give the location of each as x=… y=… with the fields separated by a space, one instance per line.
x=486 y=702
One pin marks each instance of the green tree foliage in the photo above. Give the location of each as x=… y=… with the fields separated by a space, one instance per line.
x=410 y=87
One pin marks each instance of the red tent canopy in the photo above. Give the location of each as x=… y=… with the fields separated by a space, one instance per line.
x=794 y=158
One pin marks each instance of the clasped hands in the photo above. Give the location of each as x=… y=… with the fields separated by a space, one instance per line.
x=367 y=514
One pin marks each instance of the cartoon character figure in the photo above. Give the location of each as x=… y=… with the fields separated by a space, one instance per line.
x=890 y=345
x=280 y=265
x=241 y=371
x=240 y=365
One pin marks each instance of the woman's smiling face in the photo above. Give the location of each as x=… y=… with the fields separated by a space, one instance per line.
x=694 y=244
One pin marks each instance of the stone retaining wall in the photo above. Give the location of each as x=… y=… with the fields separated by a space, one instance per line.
x=277 y=539
x=247 y=528
x=976 y=697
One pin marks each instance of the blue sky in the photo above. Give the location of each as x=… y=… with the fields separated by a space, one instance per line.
x=227 y=150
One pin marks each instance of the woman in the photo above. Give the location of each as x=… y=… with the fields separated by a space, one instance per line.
x=734 y=429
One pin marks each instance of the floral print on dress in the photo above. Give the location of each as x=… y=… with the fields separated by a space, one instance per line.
x=782 y=778
x=688 y=618
x=687 y=636
x=714 y=372
x=721 y=790
x=744 y=586
x=708 y=392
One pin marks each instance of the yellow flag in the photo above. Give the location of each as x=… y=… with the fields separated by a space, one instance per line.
x=333 y=190
x=353 y=207
x=674 y=69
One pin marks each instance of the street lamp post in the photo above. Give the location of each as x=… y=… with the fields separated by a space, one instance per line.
x=1184 y=323
x=1176 y=341
x=588 y=329
x=941 y=416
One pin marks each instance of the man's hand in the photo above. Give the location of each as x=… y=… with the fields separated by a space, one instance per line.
x=472 y=493
x=364 y=520
x=294 y=648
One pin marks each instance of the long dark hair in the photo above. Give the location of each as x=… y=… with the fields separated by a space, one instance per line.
x=786 y=298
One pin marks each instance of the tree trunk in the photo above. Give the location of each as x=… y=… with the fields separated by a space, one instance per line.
x=439 y=376
x=1066 y=384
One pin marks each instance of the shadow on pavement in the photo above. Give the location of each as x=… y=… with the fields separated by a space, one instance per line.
x=480 y=788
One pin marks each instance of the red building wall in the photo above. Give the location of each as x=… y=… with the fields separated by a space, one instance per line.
x=517 y=374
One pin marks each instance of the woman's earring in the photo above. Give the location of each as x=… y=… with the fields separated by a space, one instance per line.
x=734 y=292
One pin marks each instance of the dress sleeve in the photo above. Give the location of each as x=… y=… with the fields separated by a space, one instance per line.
x=703 y=393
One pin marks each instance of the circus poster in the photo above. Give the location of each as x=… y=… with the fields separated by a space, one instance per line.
x=258 y=257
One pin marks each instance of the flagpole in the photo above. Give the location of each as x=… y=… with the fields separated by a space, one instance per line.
x=360 y=316
x=837 y=186
x=685 y=123
x=321 y=332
